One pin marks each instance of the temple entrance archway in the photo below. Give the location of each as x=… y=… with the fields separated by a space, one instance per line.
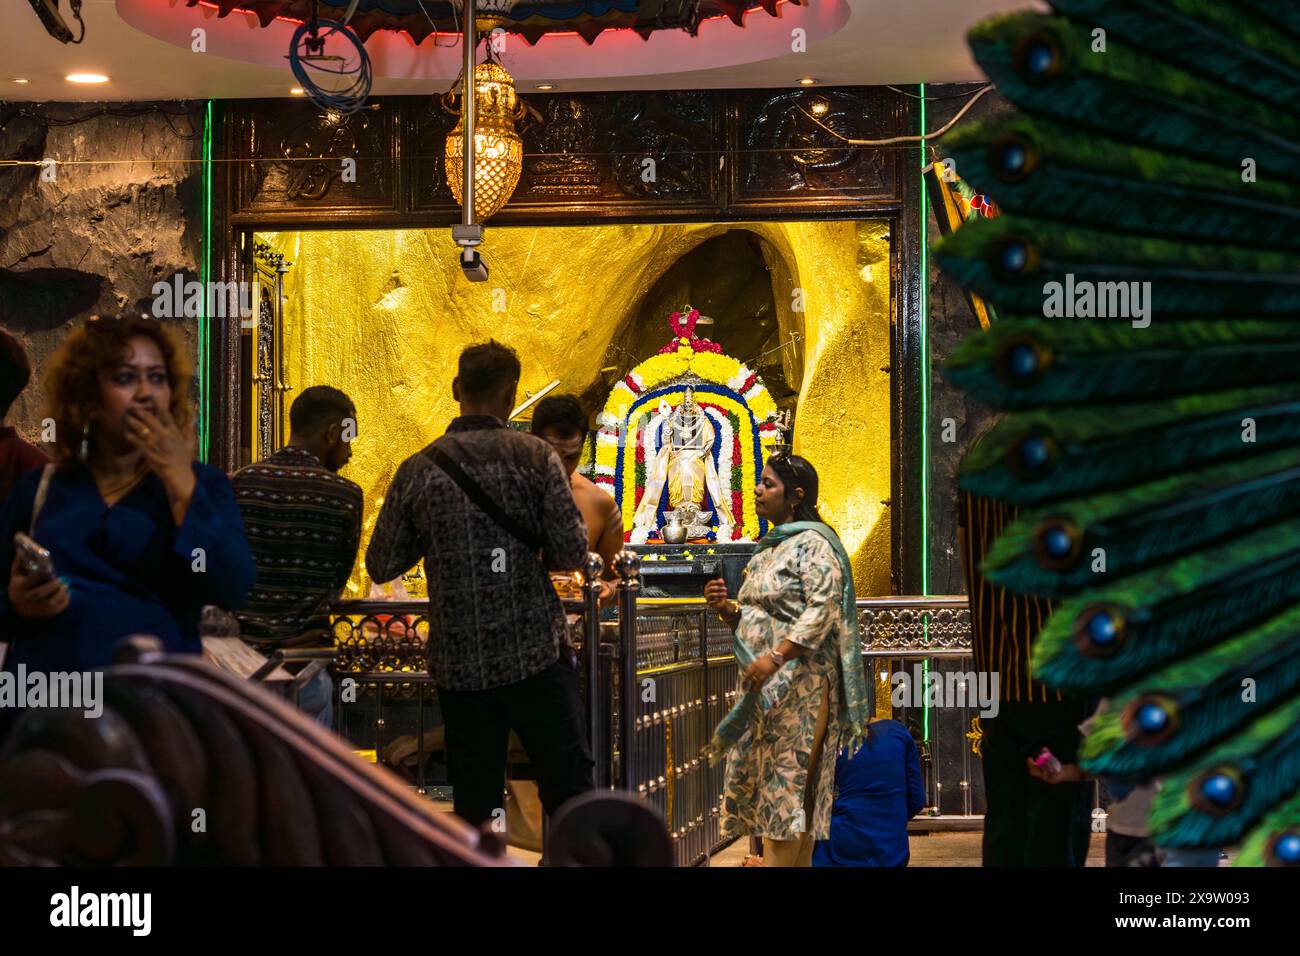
x=383 y=315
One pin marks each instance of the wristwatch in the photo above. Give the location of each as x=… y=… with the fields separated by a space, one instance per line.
x=777 y=657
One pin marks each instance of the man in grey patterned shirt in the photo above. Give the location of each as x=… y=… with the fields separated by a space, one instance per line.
x=497 y=647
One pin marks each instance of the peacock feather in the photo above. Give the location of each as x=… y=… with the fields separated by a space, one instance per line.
x=1147 y=271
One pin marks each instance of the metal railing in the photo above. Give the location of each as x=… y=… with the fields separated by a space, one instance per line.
x=934 y=633
x=677 y=679
x=666 y=664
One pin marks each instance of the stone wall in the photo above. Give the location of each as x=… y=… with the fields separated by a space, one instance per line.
x=951 y=320
x=119 y=211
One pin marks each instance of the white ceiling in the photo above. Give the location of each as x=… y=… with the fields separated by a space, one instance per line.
x=850 y=42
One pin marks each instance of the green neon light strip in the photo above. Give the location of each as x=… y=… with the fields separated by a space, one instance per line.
x=925 y=369
x=205 y=267
x=925 y=410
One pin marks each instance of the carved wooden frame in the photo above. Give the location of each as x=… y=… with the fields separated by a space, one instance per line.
x=583 y=183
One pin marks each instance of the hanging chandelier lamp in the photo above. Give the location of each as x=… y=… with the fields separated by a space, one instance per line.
x=498 y=150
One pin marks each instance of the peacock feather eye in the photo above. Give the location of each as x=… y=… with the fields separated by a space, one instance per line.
x=1057 y=544
x=1034 y=453
x=1012 y=158
x=1038 y=57
x=1218 y=791
x=1015 y=256
x=1021 y=361
x=1284 y=849
x=1100 y=630
x=1151 y=719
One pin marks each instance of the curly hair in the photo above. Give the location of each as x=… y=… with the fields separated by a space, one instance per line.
x=72 y=381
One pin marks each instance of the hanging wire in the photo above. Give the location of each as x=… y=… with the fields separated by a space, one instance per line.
x=903 y=139
x=76 y=13
x=346 y=100
x=938 y=99
x=772 y=151
x=894 y=143
x=455 y=19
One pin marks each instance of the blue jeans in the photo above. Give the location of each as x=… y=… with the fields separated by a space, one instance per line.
x=1180 y=857
x=316 y=699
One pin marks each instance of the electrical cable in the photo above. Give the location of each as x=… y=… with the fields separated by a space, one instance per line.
x=128 y=112
x=76 y=12
x=937 y=99
x=346 y=100
x=455 y=19
x=771 y=151
x=902 y=139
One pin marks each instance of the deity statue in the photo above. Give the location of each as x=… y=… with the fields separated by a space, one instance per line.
x=684 y=463
x=650 y=455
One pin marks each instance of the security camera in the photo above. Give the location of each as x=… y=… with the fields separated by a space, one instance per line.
x=472 y=264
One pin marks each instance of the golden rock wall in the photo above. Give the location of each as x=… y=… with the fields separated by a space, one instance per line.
x=383 y=315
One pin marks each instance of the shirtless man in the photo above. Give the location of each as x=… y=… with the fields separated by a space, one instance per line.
x=560 y=421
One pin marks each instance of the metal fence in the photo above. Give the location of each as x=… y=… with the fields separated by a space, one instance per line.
x=676 y=684
x=685 y=683
x=927 y=635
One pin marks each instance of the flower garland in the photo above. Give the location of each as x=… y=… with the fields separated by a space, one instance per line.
x=634 y=454
x=710 y=366
x=684 y=334
x=621 y=452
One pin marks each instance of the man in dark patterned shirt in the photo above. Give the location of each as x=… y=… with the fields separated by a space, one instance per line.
x=303 y=523
x=497 y=646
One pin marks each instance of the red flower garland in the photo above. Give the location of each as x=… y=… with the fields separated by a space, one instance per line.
x=685 y=329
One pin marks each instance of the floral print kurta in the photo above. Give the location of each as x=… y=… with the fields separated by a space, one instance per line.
x=791 y=592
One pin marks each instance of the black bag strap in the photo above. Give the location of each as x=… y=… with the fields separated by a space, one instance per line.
x=475 y=493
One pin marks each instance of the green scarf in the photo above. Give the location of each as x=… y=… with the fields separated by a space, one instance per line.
x=854 y=706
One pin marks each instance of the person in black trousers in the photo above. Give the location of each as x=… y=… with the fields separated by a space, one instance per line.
x=490 y=511
x=1028 y=822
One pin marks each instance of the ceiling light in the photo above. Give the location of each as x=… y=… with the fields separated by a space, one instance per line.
x=20 y=79
x=296 y=91
x=545 y=86
x=807 y=81
x=86 y=78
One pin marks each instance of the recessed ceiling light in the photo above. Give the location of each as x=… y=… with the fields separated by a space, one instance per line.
x=546 y=86
x=296 y=91
x=86 y=78
x=807 y=81
x=20 y=79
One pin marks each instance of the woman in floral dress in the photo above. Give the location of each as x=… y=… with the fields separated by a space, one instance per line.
x=802 y=685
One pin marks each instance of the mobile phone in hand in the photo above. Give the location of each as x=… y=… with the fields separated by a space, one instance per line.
x=1048 y=761
x=32 y=558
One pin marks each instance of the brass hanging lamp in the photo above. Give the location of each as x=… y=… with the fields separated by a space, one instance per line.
x=498 y=150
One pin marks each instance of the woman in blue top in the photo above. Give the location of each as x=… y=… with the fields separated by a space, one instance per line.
x=876 y=792
x=141 y=535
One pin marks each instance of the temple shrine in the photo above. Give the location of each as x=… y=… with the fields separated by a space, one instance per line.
x=645 y=433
